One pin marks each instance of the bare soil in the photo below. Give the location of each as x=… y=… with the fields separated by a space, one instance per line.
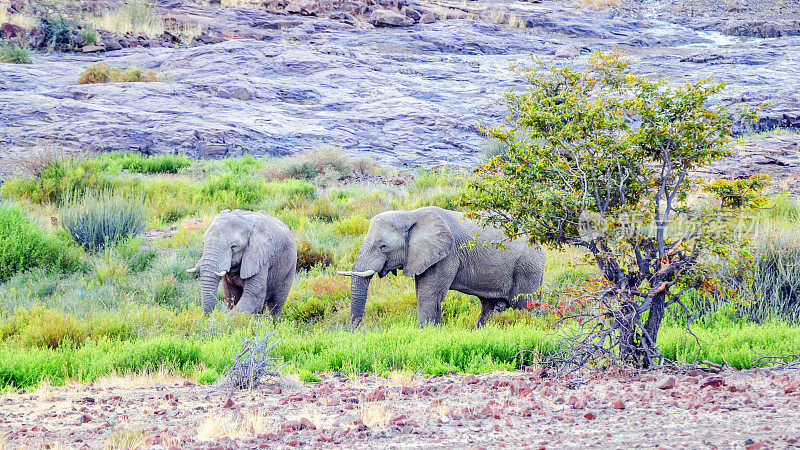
x=753 y=409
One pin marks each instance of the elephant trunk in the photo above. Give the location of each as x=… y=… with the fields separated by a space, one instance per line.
x=209 y=282
x=358 y=298
x=211 y=267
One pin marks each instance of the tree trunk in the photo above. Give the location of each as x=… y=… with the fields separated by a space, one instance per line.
x=653 y=323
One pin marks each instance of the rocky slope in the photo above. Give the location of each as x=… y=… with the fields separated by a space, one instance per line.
x=376 y=77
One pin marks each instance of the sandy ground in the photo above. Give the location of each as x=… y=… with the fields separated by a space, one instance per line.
x=753 y=409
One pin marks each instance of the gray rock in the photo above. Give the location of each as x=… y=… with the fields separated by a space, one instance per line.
x=386 y=18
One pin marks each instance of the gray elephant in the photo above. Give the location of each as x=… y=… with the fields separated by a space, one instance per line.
x=444 y=251
x=254 y=254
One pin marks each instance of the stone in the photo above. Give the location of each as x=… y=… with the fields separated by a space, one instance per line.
x=306 y=423
x=291 y=425
x=93 y=48
x=376 y=395
x=568 y=51
x=470 y=379
x=85 y=418
x=229 y=404
x=9 y=30
x=386 y=18
x=666 y=383
x=618 y=404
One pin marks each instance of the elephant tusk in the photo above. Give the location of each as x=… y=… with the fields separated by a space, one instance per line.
x=365 y=274
x=192 y=270
x=221 y=274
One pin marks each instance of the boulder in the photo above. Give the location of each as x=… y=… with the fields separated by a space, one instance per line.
x=9 y=30
x=386 y=18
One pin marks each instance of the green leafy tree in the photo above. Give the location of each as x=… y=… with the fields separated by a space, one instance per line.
x=602 y=159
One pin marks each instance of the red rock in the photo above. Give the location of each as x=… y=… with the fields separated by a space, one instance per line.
x=589 y=415
x=291 y=425
x=572 y=400
x=85 y=418
x=712 y=382
x=470 y=379
x=407 y=390
x=377 y=395
x=666 y=383
x=292 y=442
x=10 y=30
x=229 y=404
x=545 y=391
x=518 y=387
x=307 y=424
x=325 y=437
x=277 y=390
x=619 y=404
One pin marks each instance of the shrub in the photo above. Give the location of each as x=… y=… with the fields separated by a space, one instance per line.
x=26 y=245
x=102 y=73
x=352 y=226
x=14 y=54
x=62 y=179
x=253 y=361
x=89 y=36
x=328 y=162
x=231 y=191
x=242 y=165
x=103 y=218
x=138 y=163
x=308 y=256
x=110 y=268
x=777 y=281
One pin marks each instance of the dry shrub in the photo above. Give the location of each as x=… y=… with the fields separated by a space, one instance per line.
x=308 y=256
x=375 y=415
x=331 y=287
x=32 y=163
x=251 y=423
x=102 y=73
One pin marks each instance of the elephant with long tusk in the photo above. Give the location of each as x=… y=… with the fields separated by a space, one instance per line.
x=255 y=256
x=444 y=251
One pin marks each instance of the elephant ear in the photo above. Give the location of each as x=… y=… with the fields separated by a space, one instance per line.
x=259 y=248
x=429 y=241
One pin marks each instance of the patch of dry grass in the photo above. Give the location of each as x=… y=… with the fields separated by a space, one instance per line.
x=102 y=73
x=24 y=20
x=248 y=424
x=127 y=437
x=375 y=414
x=139 y=380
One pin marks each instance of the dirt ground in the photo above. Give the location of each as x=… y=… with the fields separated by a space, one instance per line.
x=753 y=409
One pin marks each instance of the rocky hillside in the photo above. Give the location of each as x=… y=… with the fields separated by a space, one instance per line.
x=407 y=81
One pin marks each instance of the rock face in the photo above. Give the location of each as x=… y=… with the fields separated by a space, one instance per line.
x=403 y=81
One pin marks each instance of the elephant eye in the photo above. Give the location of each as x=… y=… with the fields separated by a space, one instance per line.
x=383 y=247
x=234 y=246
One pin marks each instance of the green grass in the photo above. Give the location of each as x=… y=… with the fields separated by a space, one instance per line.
x=10 y=53
x=131 y=308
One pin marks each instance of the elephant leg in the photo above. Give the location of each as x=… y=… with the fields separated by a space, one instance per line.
x=253 y=295
x=487 y=309
x=278 y=298
x=432 y=287
x=232 y=292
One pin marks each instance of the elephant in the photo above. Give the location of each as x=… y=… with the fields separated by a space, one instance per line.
x=443 y=250
x=254 y=254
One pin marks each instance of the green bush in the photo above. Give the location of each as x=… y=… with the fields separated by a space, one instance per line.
x=10 y=53
x=777 y=281
x=99 y=219
x=243 y=165
x=234 y=191
x=26 y=244
x=138 y=163
x=62 y=180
